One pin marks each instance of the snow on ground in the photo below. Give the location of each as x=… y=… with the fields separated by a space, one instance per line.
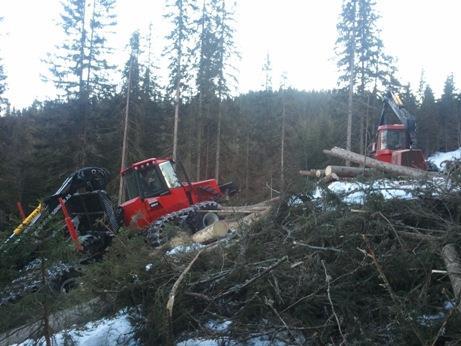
x=184 y=248
x=255 y=341
x=439 y=158
x=113 y=331
x=354 y=192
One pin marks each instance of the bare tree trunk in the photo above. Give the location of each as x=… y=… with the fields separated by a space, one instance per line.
x=247 y=160
x=199 y=134
x=459 y=132
x=90 y=54
x=349 y=113
x=176 y=122
x=351 y=92
x=177 y=100
x=282 y=147
x=207 y=150
x=361 y=138
x=46 y=313
x=218 y=141
x=82 y=93
x=82 y=55
x=125 y=133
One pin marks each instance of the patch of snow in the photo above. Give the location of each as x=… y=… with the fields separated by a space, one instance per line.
x=439 y=158
x=353 y=192
x=294 y=201
x=184 y=248
x=428 y=320
x=113 y=331
x=253 y=340
x=200 y=342
x=148 y=266
x=218 y=326
x=448 y=305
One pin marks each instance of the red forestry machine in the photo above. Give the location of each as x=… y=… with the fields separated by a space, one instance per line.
x=396 y=142
x=153 y=197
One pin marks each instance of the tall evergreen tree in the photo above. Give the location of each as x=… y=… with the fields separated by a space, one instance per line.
x=361 y=61
x=206 y=74
x=267 y=70
x=226 y=50
x=421 y=87
x=3 y=99
x=177 y=52
x=448 y=114
x=428 y=127
x=149 y=85
x=79 y=68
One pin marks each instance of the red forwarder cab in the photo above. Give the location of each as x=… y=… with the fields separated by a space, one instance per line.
x=152 y=189
x=393 y=146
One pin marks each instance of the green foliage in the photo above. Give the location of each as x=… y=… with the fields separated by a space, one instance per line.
x=247 y=281
x=177 y=51
x=79 y=67
x=360 y=49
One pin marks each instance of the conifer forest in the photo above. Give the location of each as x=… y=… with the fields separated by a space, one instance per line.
x=330 y=256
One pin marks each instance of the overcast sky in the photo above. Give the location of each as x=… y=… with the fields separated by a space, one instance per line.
x=299 y=35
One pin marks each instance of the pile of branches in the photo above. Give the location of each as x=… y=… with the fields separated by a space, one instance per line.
x=317 y=271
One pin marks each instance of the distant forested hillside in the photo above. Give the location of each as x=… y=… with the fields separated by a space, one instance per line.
x=258 y=139
x=41 y=145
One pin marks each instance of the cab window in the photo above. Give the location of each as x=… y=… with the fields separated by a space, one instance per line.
x=170 y=175
x=150 y=182
x=130 y=185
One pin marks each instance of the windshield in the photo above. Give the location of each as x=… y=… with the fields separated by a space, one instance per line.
x=393 y=139
x=150 y=182
x=130 y=186
x=170 y=175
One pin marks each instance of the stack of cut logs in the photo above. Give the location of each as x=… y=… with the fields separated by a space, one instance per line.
x=368 y=167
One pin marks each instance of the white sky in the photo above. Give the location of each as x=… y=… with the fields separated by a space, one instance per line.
x=299 y=35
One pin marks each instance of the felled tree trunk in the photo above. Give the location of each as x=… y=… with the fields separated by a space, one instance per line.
x=347 y=172
x=319 y=173
x=380 y=165
x=453 y=263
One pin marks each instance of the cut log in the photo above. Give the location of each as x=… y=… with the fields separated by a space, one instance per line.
x=453 y=263
x=320 y=173
x=329 y=178
x=347 y=172
x=309 y=173
x=215 y=231
x=380 y=165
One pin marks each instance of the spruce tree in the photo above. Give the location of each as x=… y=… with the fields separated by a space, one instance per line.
x=361 y=61
x=79 y=67
x=226 y=50
x=206 y=74
x=267 y=70
x=448 y=116
x=177 y=52
x=428 y=127
x=149 y=86
x=3 y=99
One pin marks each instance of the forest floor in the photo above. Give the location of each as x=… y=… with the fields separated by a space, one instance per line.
x=354 y=262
